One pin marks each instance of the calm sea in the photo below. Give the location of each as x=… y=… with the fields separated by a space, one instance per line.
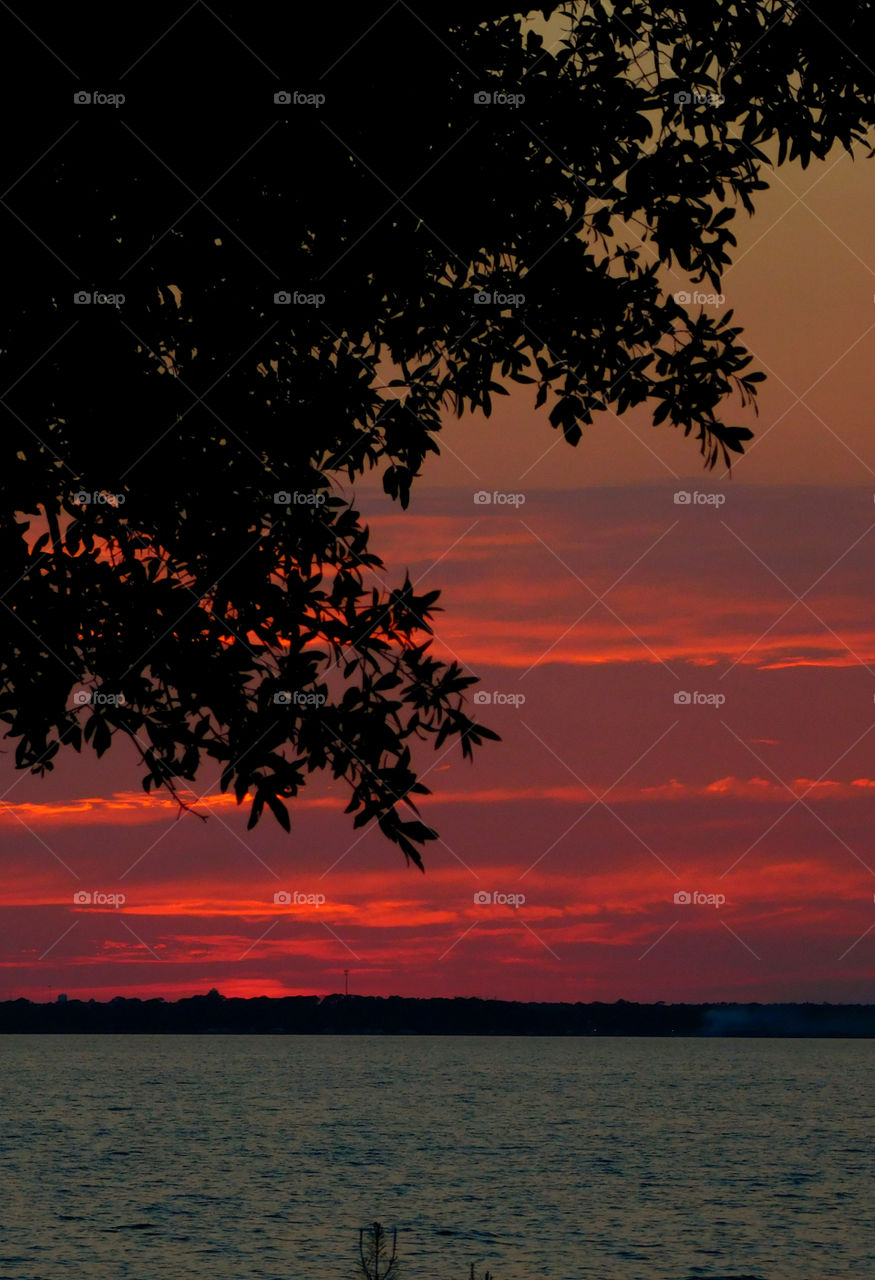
x=231 y=1158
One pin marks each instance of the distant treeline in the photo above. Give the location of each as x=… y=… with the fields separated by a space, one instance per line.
x=399 y=1015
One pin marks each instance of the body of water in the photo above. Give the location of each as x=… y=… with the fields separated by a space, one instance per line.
x=236 y=1158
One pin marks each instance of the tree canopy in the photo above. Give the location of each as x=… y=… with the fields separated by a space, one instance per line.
x=251 y=257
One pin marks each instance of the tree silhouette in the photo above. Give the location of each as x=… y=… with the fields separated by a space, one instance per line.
x=300 y=245
x=376 y=1260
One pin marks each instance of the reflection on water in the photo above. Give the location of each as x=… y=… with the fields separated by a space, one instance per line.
x=164 y=1158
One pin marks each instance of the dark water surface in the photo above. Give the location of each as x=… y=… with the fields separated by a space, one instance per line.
x=231 y=1158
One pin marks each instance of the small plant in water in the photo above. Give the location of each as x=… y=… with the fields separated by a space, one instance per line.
x=376 y=1260
x=487 y=1275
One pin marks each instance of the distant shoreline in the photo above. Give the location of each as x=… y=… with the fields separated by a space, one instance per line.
x=214 y=1014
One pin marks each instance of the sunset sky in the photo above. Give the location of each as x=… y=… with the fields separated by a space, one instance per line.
x=584 y=610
